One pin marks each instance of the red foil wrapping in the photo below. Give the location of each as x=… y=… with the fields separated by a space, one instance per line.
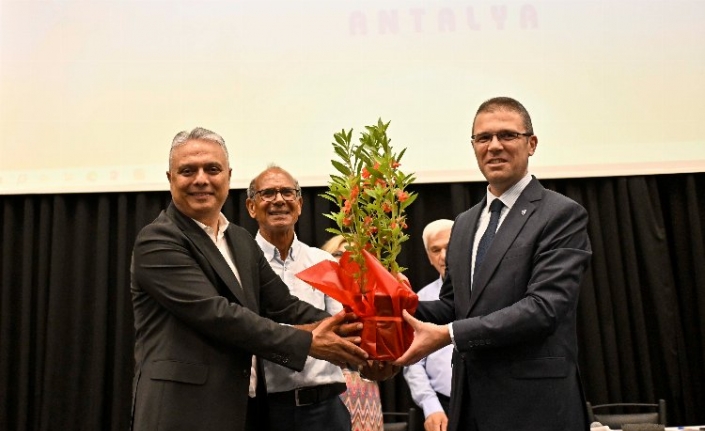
x=385 y=334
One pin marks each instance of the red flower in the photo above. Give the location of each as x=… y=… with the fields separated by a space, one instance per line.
x=386 y=207
x=395 y=165
x=354 y=192
x=347 y=221
x=365 y=173
x=402 y=195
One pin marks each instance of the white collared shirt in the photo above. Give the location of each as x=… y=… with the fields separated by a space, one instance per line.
x=316 y=372
x=508 y=198
x=220 y=242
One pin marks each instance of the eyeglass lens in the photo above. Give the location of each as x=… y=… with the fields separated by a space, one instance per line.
x=503 y=136
x=268 y=195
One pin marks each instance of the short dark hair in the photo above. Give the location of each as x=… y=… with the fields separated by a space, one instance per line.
x=506 y=104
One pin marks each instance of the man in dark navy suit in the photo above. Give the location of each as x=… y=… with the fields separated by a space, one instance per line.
x=508 y=303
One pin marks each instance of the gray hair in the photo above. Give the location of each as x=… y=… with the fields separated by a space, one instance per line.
x=505 y=104
x=433 y=228
x=198 y=133
x=271 y=167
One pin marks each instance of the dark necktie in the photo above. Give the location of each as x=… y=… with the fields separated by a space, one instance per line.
x=486 y=240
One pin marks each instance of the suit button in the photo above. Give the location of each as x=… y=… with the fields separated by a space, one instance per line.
x=246 y=372
x=285 y=360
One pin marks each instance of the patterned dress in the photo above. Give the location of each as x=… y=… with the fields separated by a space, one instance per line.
x=363 y=401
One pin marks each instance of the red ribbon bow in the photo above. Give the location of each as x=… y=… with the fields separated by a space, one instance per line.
x=385 y=334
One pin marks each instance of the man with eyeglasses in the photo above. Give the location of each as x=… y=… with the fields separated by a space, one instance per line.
x=306 y=400
x=208 y=307
x=508 y=303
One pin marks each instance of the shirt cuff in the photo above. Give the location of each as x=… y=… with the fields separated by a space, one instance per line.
x=452 y=336
x=432 y=405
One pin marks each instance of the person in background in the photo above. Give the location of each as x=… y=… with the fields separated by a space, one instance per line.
x=305 y=400
x=208 y=307
x=508 y=302
x=362 y=396
x=429 y=379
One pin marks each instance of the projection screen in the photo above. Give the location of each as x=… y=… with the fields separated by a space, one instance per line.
x=92 y=92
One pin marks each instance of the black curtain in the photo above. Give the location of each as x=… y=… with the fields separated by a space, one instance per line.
x=66 y=334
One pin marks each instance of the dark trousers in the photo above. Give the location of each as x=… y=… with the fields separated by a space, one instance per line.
x=327 y=415
x=256 y=414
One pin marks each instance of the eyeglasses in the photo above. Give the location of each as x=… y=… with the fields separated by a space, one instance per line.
x=268 y=195
x=504 y=136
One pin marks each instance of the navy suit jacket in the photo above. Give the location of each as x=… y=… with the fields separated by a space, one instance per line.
x=515 y=363
x=197 y=328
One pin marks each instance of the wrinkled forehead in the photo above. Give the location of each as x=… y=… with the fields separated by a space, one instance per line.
x=273 y=179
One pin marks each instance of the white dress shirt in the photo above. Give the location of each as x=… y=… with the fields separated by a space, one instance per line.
x=220 y=242
x=316 y=371
x=508 y=198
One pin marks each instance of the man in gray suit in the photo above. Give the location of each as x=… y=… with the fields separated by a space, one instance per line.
x=207 y=306
x=508 y=304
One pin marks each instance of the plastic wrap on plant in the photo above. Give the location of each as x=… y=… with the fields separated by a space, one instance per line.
x=385 y=334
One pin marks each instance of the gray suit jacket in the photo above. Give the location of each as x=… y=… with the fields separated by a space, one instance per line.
x=515 y=366
x=197 y=328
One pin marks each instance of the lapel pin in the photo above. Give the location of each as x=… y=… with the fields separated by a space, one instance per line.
x=523 y=212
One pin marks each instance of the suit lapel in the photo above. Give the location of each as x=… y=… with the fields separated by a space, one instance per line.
x=207 y=247
x=513 y=223
x=242 y=263
x=464 y=228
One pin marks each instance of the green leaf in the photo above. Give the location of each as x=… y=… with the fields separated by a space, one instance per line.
x=328 y=197
x=340 y=139
x=341 y=167
x=372 y=146
x=401 y=154
x=333 y=231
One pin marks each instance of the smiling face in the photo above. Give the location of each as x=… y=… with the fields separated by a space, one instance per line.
x=199 y=179
x=278 y=217
x=503 y=164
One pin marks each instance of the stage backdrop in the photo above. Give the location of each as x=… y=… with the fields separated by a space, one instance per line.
x=92 y=92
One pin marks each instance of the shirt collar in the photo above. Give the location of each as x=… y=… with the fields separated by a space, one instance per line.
x=510 y=197
x=271 y=252
x=223 y=224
